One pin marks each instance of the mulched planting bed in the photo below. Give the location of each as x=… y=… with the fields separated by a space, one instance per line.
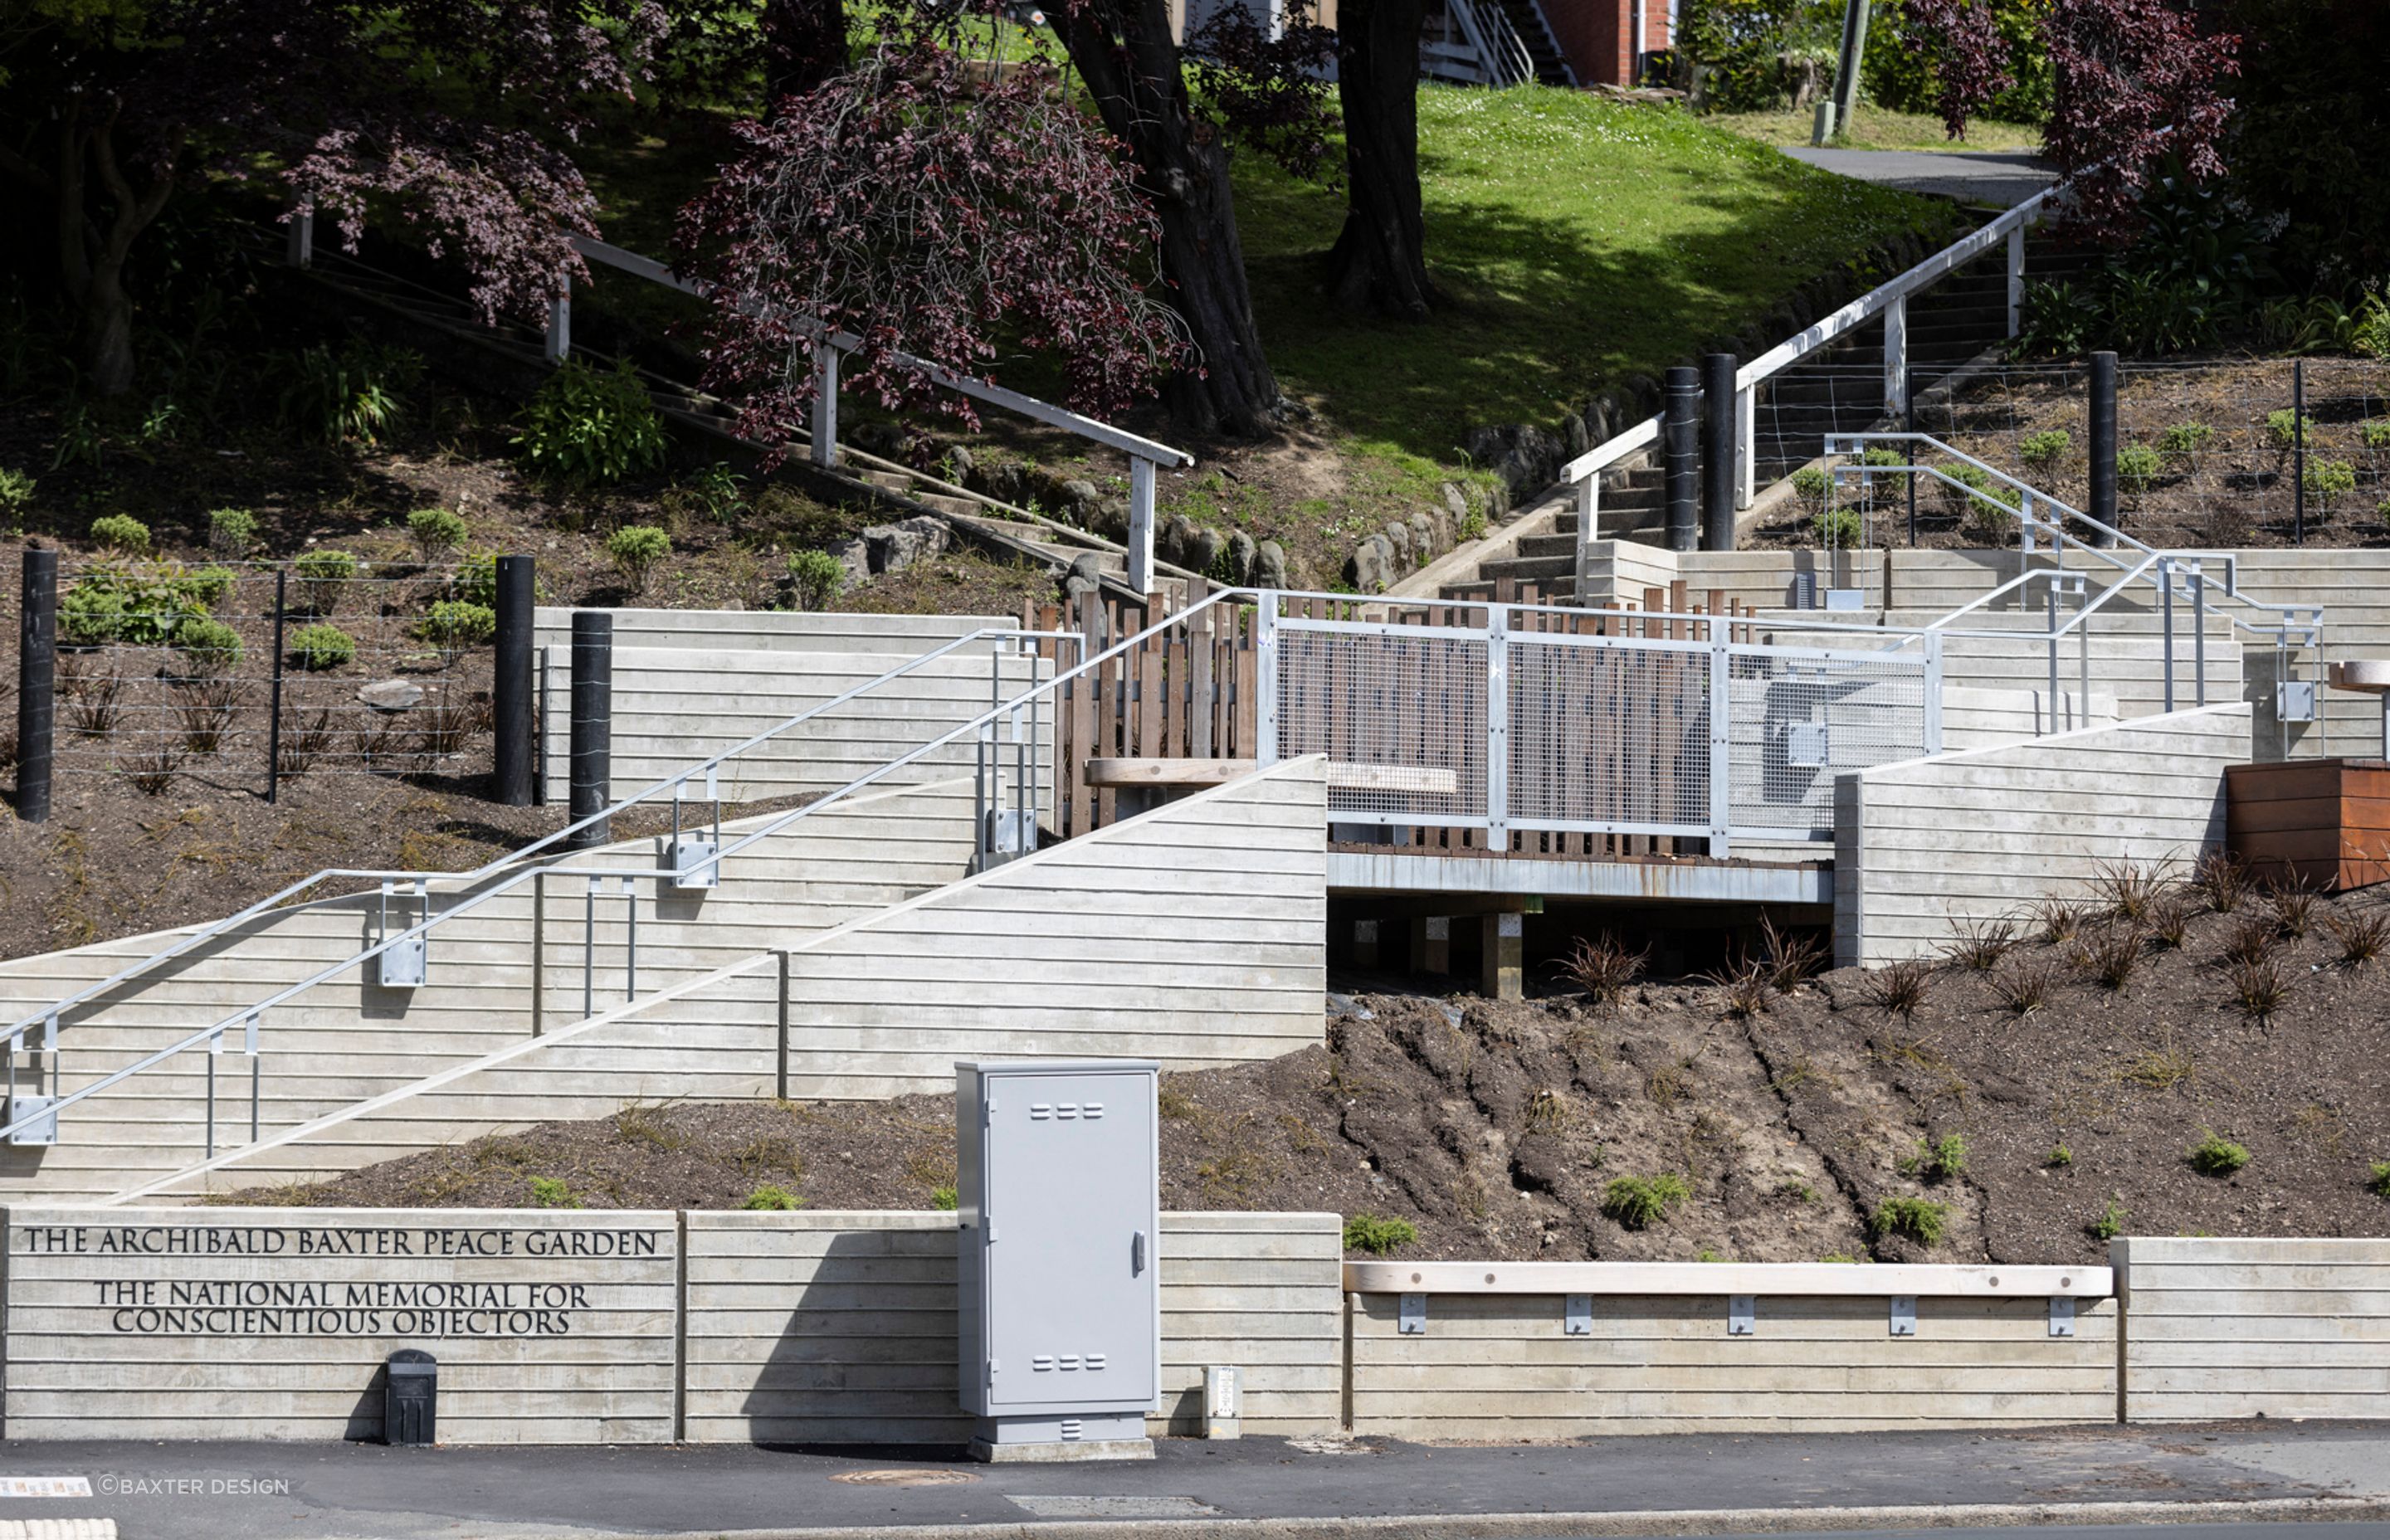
x=1500 y=1130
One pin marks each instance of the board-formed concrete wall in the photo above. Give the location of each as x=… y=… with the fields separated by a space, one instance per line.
x=348 y=1039
x=2273 y=1329
x=771 y=630
x=1926 y=845
x=839 y=1328
x=1195 y=934
x=1501 y=1368
x=549 y=1328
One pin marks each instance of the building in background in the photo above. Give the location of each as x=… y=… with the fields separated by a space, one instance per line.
x=1507 y=43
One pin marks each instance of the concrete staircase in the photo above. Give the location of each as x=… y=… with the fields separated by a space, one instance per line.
x=1536 y=30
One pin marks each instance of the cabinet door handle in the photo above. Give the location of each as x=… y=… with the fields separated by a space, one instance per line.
x=1136 y=1253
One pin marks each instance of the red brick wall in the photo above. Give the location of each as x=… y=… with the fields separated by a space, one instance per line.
x=1596 y=35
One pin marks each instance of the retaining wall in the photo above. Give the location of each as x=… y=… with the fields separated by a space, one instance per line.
x=2274 y=1328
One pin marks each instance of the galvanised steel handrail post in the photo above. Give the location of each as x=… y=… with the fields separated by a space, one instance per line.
x=1267 y=705
x=1497 y=727
x=1721 y=776
x=2165 y=609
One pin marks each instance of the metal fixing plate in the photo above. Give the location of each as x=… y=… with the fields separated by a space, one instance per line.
x=1579 y=1316
x=1742 y=1314
x=1904 y=1315
x=1414 y=1316
x=2061 y=1315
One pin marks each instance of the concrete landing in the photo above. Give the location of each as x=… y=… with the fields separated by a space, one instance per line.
x=2005 y=178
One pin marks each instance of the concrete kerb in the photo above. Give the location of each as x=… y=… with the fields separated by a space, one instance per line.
x=1554 y=1526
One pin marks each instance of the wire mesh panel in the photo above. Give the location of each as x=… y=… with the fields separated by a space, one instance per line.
x=1609 y=735
x=1401 y=710
x=1797 y=718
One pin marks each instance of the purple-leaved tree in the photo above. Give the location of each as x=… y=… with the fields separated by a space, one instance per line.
x=454 y=112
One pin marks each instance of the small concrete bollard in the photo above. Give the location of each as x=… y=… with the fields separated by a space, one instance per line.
x=1222 y=1404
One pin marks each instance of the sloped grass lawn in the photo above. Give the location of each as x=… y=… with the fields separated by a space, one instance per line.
x=1577 y=238
x=1880 y=128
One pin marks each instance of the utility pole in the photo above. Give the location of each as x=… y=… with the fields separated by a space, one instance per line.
x=1834 y=113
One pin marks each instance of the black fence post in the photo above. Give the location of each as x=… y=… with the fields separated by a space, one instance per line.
x=1718 y=464
x=1683 y=404
x=510 y=686
x=593 y=723
x=2299 y=451
x=2103 y=445
x=37 y=680
x=274 y=704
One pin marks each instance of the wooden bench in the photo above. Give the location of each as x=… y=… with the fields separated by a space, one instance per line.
x=1170 y=776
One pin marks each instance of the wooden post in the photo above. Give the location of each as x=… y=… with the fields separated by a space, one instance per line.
x=823 y=430
x=1504 y=976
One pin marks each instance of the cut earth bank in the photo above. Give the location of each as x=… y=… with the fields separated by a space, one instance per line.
x=1825 y=1125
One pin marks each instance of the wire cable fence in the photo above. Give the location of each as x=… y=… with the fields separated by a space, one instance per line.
x=251 y=674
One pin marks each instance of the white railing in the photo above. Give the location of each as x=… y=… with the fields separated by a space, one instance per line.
x=1889 y=300
x=1144 y=455
x=1502 y=54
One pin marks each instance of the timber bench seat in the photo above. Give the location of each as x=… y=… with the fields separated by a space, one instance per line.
x=1194 y=775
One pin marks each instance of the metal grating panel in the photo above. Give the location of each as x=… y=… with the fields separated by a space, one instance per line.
x=1796 y=719
x=1610 y=735
x=1400 y=697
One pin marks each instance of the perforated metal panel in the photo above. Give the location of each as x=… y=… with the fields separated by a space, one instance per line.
x=1396 y=697
x=1609 y=735
x=1796 y=718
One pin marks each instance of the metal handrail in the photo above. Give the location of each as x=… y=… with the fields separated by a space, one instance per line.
x=1502 y=52
x=247 y=1016
x=14 y=1036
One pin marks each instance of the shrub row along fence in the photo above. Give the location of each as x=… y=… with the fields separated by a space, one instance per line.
x=254 y=674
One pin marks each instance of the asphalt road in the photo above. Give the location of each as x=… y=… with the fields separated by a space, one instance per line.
x=2002 y=177
x=260 y=1491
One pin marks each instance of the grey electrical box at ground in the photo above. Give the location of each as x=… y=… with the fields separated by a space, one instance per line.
x=1058 y=1193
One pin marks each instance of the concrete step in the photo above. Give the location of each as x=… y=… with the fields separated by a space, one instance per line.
x=1525 y=569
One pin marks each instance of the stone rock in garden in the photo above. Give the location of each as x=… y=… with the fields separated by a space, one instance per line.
x=1367 y=567
x=391 y=694
x=893 y=547
x=1079 y=497
x=1087 y=569
x=958 y=460
x=880 y=438
x=1241 y=556
x=1523 y=456
x=1269 y=565
x=1174 y=540
x=854 y=554
x=1578 y=439
x=1109 y=518
x=1454 y=503
x=1204 y=549
x=1398 y=540
x=1425 y=543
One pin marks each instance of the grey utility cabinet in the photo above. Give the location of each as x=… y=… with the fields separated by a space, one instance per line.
x=1059 y=1195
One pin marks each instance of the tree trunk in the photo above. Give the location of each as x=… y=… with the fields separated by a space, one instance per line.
x=1124 y=51
x=105 y=325
x=1380 y=261
x=804 y=44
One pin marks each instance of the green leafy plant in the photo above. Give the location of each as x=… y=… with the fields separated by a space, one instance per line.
x=16 y=497
x=1637 y=1203
x=80 y=440
x=2110 y=1223
x=1836 y=529
x=2379 y=1184
x=2285 y=427
x=1939 y=1161
x=719 y=491
x=436 y=532
x=208 y=644
x=476 y=580
x=2137 y=469
x=636 y=550
x=320 y=646
x=1920 y=1219
x=552 y=1192
x=2377 y=433
x=458 y=623
x=1366 y=1232
x=946 y=1198
x=773 y=1199
x=592 y=427
x=231 y=531
x=815 y=578
x=121 y=533
x=2059 y=1156
x=346 y=396
x=1884 y=457
x=1809 y=484
x=2328 y=481
x=324 y=578
x=141 y=604
x=1473 y=527
x=2217 y=1156
x=2046 y=448
x=2185 y=440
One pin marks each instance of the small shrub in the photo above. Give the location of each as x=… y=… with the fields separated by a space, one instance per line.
x=455 y=622
x=2379 y=1185
x=945 y=1199
x=552 y=1192
x=2222 y=879
x=1789 y=958
x=152 y=771
x=2056 y=920
x=1938 y=1161
x=2046 y=448
x=1366 y=1232
x=1604 y=967
x=348 y=395
x=2110 y=1223
x=1809 y=484
x=2285 y=427
x=2361 y=938
x=211 y=645
x=1637 y=1203
x=138 y=604
x=322 y=647
x=2185 y=440
x=1742 y=988
x=1982 y=944
x=94 y=706
x=2328 y=481
x=2114 y=955
x=476 y=579
x=324 y=578
x=2293 y=904
x=121 y=533
x=436 y=532
x=2258 y=986
x=2137 y=469
x=205 y=709
x=1884 y=456
x=2130 y=889
x=306 y=738
x=2252 y=939
x=2217 y=1156
x=2170 y=924
x=1836 y=529
x=232 y=532
x=1473 y=527
x=2024 y=988
x=16 y=497
x=772 y=1198
x=2377 y=433
x=815 y=578
x=2059 y=1156
x=1920 y=1219
x=1898 y=989
x=584 y=426
x=636 y=550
